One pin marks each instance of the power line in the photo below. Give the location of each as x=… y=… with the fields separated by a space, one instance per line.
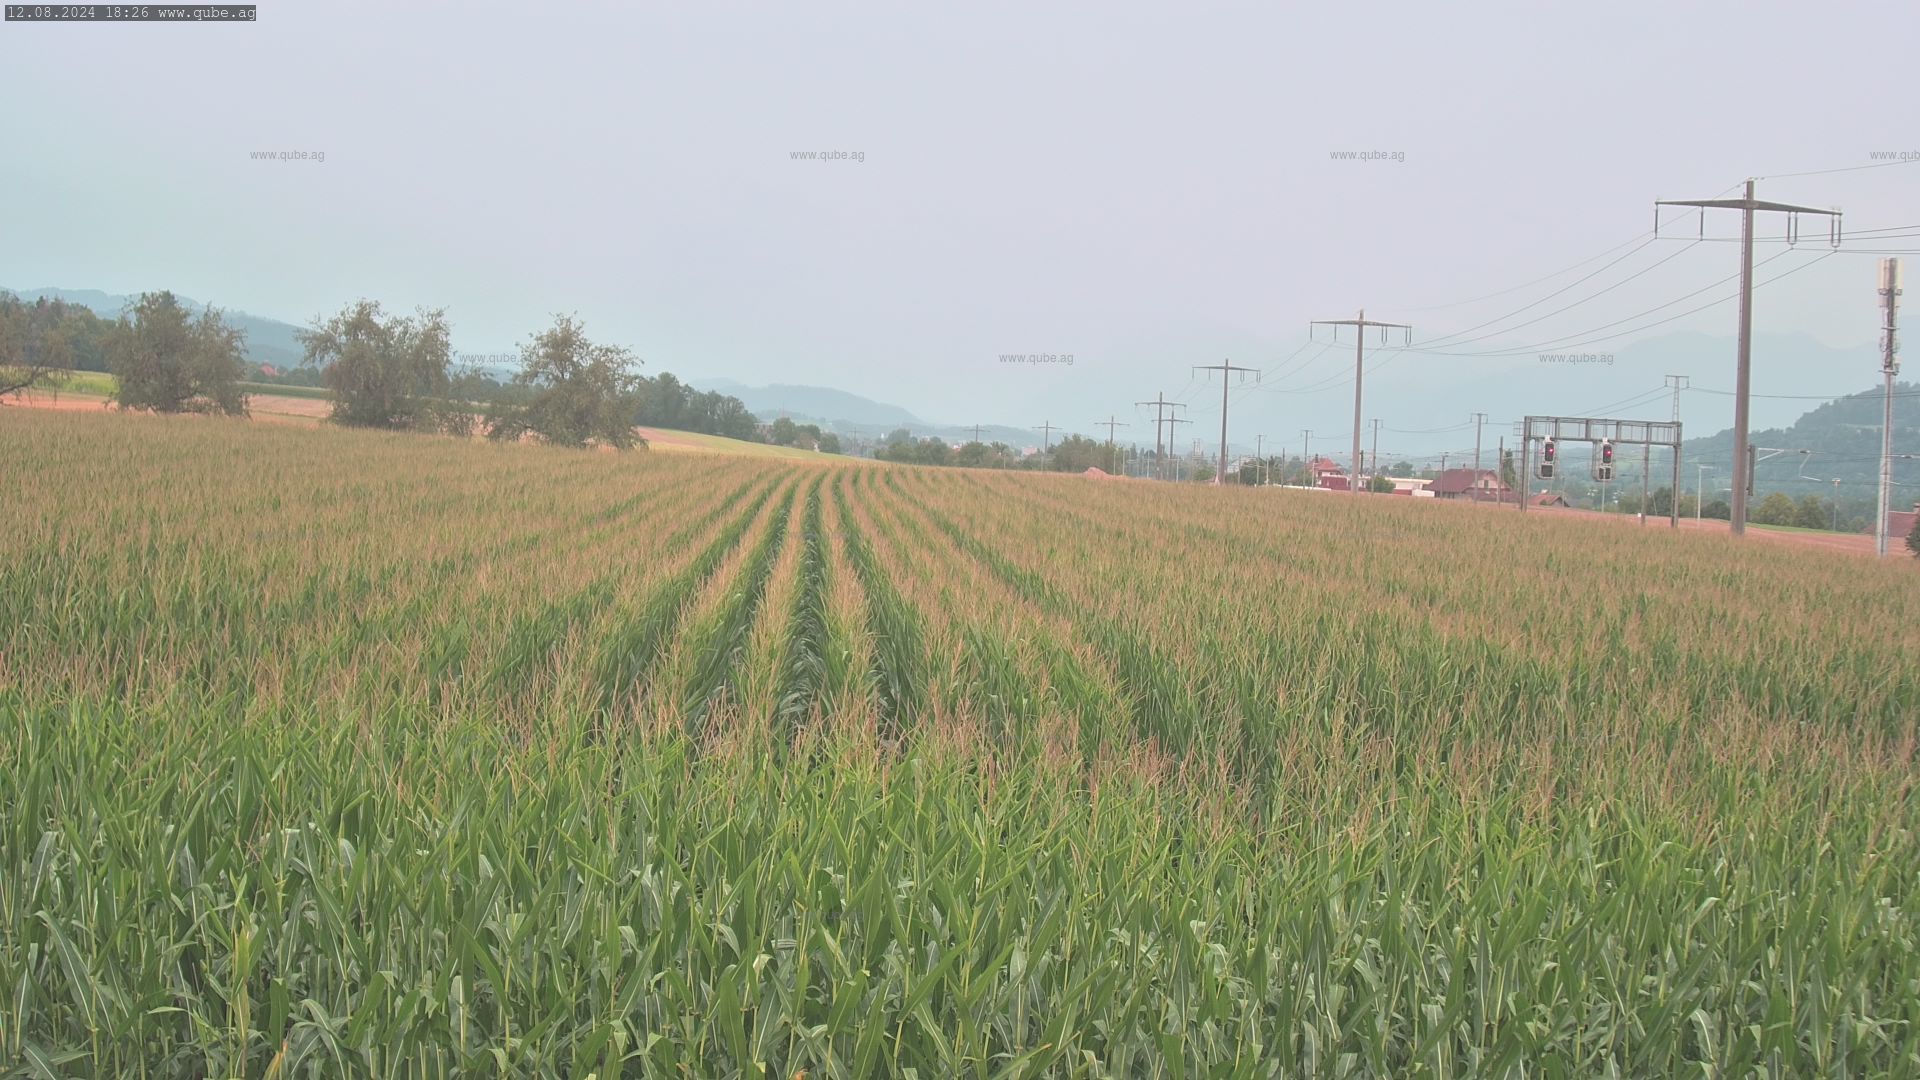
x=1560 y=343
x=1161 y=405
x=1274 y=370
x=1557 y=292
x=1226 y=368
x=1679 y=383
x=1110 y=423
x=1627 y=403
x=1748 y=206
x=1648 y=238
x=1829 y=172
x=1535 y=281
x=1555 y=341
x=1803 y=397
x=1548 y=277
x=1360 y=326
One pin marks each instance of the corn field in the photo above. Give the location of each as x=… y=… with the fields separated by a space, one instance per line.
x=332 y=753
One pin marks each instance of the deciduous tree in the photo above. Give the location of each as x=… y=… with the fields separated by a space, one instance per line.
x=169 y=361
x=28 y=357
x=386 y=371
x=1776 y=509
x=579 y=393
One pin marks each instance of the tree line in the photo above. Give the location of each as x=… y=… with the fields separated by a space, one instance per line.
x=1073 y=453
x=1850 y=515
x=380 y=370
x=47 y=336
x=396 y=371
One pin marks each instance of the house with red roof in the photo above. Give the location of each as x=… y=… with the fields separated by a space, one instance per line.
x=1326 y=474
x=1475 y=485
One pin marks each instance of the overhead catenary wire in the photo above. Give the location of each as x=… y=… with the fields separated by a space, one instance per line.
x=1535 y=281
x=1636 y=239
x=1552 y=342
x=1843 y=169
x=1559 y=291
x=1423 y=346
x=1563 y=344
x=1806 y=397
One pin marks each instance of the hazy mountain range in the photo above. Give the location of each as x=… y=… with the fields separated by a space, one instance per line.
x=1426 y=398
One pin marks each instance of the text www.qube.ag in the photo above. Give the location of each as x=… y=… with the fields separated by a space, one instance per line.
x=1036 y=358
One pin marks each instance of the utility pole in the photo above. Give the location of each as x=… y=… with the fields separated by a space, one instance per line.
x=1889 y=367
x=1500 y=472
x=1225 y=368
x=1699 y=489
x=1259 y=448
x=1359 y=350
x=1743 y=379
x=976 y=432
x=1479 y=421
x=1373 y=470
x=1677 y=383
x=1646 y=471
x=1110 y=424
x=1160 y=406
x=1173 y=459
x=1306 y=459
x=1047 y=429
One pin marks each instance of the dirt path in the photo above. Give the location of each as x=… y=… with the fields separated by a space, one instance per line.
x=269 y=407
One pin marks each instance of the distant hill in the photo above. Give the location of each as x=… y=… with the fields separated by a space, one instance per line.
x=815 y=404
x=851 y=414
x=1842 y=440
x=269 y=341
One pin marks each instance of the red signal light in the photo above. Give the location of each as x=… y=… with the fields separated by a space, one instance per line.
x=1546 y=453
x=1606 y=451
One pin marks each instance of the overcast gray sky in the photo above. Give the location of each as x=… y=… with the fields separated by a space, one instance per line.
x=1143 y=186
